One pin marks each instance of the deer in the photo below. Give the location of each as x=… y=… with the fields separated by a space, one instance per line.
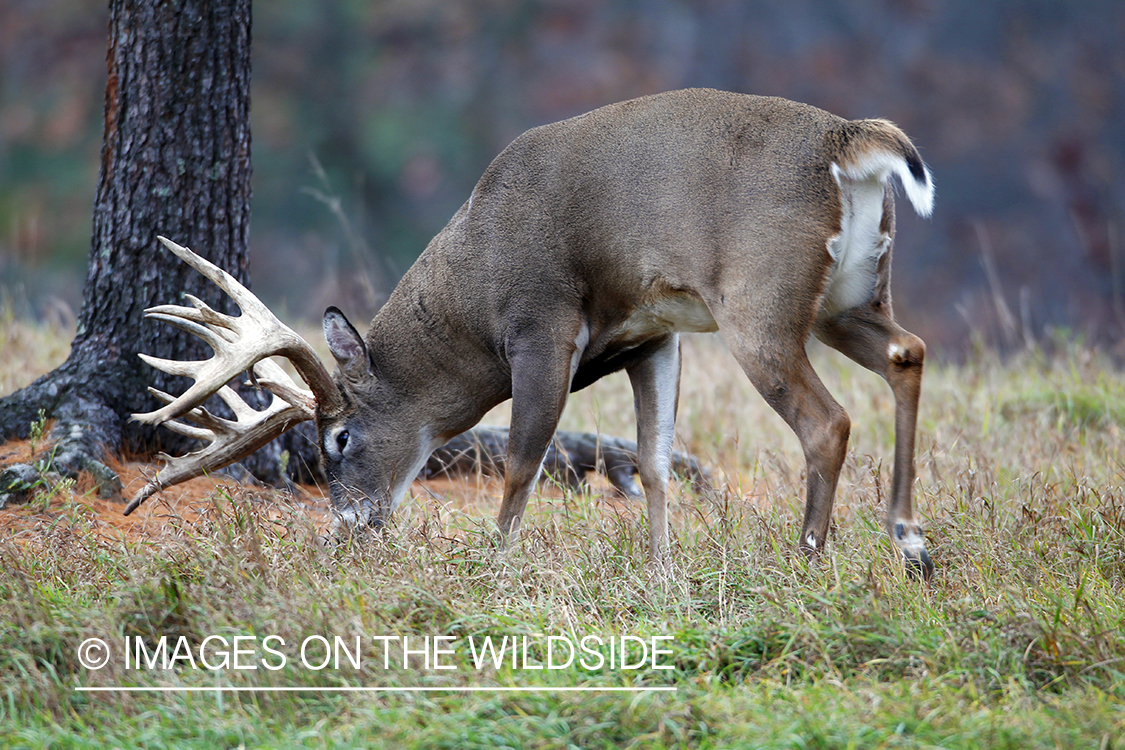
x=588 y=247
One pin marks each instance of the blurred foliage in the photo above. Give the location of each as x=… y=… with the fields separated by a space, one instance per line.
x=1018 y=107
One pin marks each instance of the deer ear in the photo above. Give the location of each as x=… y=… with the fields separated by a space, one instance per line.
x=344 y=340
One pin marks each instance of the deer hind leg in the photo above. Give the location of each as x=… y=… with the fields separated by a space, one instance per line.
x=776 y=363
x=656 y=386
x=870 y=336
x=543 y=364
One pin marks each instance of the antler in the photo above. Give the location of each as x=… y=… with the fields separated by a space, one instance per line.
x=240 y=343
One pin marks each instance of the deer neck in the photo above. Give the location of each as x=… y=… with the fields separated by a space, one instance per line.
x=424 y=353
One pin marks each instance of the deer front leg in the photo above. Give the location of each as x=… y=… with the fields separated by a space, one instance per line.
x=542 y=368
x=870 y=336
x=656 y=387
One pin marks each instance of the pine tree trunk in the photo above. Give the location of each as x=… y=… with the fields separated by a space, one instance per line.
x=175 y=161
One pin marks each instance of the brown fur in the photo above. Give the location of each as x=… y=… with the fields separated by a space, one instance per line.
x=584 y=248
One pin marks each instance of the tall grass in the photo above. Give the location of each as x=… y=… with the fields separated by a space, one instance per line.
x=29 y=349
x=1018 y=642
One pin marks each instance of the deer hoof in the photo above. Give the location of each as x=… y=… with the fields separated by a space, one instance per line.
x=809 y=547
x=918 y=564
x=908 y=538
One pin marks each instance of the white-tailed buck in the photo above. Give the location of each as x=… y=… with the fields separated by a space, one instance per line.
x=586 y=248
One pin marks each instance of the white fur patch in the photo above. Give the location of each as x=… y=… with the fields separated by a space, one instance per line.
x=581 y=341
x=672 y=312
x=667 y=365
x=858 y=247
x=426 y=446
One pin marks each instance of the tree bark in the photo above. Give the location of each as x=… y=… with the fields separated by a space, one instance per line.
x=175 y=161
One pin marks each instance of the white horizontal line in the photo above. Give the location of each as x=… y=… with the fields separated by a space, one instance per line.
x=372 y=689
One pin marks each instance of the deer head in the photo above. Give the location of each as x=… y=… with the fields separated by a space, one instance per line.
x=342 y=405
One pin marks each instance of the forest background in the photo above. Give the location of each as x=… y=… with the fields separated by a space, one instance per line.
x=373 y=120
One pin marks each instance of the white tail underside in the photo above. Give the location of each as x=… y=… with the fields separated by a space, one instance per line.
x=860 y=244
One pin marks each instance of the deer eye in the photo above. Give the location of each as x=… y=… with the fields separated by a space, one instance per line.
x=342 y=440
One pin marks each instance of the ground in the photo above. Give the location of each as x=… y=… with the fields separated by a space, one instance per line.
x=1018 y=642
x=176 y=509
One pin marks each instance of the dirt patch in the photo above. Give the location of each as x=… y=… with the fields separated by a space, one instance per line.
x=168 y=511
x=177 y=509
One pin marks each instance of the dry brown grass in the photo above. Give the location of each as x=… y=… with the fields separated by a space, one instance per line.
x=29 y=349
x=1016 y=643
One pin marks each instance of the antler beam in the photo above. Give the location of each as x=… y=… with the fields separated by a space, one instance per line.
x=240 y=343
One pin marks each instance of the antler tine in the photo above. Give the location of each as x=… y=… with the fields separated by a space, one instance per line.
x=240 y=343
x=200 y=312
x=277 y=381
x=210 y=376
x=187 y=430
x=199 y=415
x=188 y=368
x=229 y=440
x=184 y=323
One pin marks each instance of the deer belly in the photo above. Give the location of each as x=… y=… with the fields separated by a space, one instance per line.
x=681 y=312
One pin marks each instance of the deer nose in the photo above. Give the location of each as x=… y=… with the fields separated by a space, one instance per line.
x=374 y=510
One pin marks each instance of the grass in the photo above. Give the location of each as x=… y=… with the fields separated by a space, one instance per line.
x=30 y=349
x=1019 y=641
